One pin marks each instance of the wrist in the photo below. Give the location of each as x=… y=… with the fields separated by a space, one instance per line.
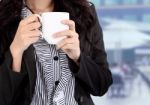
x=17 y=58
x=77 y=60
x=15 y=51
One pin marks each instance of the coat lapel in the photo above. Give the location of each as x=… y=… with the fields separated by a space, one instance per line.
x=29 y=59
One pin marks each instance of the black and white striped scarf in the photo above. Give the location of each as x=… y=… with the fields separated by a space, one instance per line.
x=55 y=83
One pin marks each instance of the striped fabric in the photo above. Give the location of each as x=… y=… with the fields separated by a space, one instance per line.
x=55 y=83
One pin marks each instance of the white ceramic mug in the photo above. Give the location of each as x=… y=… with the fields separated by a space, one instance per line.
x=51 y=23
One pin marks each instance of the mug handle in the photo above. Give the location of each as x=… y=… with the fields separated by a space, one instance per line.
x=40 y=19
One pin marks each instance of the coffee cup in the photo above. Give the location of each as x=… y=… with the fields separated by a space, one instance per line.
x=51 y=23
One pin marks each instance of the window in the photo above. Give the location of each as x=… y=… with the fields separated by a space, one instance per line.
x=112 y=2
x=96 y=2
x=146 y=1
x=130 y=1
x=130 y=17
x=146 y=18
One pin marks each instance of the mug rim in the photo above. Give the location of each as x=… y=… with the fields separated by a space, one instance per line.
x=54 y=13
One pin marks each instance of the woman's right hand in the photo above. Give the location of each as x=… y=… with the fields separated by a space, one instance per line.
x=28 y=33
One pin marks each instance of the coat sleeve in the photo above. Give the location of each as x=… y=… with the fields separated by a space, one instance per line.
x=94 y=72
x=9 y=81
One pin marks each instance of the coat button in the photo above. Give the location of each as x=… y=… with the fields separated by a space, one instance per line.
x=56 y=58
x=56 y=83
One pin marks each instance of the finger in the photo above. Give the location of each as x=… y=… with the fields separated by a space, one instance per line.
x=70 y=23
x=30 y=19
x=64 y=42
x=32 y=34
x=34 y=40
x=33 y=26
x=67 y=33
x=67 y=47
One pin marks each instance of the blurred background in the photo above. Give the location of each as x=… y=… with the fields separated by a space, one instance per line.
x=126 y=29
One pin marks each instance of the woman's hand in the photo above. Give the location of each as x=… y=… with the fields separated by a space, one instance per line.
x=27 y=34
x=70 y=45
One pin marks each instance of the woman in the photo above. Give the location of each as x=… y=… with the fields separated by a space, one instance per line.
x=71 y=70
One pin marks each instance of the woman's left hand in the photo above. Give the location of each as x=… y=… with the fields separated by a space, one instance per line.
x=71 y=44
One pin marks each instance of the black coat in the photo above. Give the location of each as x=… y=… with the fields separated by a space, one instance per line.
x=93 y=76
